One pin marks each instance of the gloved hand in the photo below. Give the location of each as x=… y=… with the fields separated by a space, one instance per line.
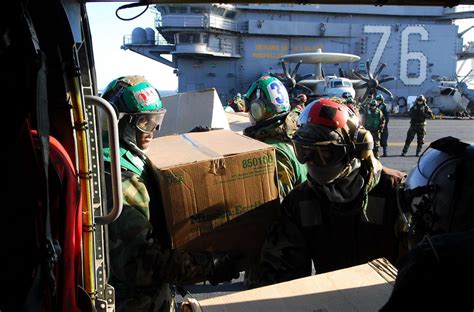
x=203 y=129
x=225 y=267
x=200 y=129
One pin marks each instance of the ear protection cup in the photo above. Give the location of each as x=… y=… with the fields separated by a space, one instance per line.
x=257 y=110
x=364 y=143
x=361 y=138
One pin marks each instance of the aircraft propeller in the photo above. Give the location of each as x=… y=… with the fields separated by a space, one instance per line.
x=291 y=80
x=372 y=83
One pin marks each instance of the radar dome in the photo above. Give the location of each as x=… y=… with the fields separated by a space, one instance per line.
x=139 y=36
x=150 y=35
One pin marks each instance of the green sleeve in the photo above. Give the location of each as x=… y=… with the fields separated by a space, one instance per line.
x=290 y=171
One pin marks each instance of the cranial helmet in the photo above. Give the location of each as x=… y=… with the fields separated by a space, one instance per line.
x=421 y=97
x=379 y=97
x=267 y=97
x=302 y=97
x=330 y=141
x=138 y=105
x=138 y=100
x=373 y=103
x=350 y=100
x=330 y=132
x=438 y=193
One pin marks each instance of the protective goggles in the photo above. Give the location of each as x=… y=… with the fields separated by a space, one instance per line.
x=148 y=122
x=321 y=153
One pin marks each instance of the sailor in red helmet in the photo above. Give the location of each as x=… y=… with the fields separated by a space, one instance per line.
x=345 y=214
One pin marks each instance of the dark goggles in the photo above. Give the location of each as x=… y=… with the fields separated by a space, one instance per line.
x=148 y=122
x=321 y=153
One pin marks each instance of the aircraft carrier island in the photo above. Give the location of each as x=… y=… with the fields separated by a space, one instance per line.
x=409 y=49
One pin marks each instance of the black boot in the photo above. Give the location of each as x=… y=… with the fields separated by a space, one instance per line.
x=418 y=151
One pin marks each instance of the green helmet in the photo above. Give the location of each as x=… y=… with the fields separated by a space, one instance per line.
x=379 y=97
x=136 y=97
x=132 y=95
x=268 y=97
x=373 y=103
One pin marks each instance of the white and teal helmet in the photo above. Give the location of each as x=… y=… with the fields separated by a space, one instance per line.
x=267 y=97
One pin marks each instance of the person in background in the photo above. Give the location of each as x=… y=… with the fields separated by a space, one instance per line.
x=345 y=213
x=418 y=114
x=237 y=103
x=374 y=121
x=437 y=199
x=274 y=122
x=299 y=102
x=386 y=114
x=142 y=263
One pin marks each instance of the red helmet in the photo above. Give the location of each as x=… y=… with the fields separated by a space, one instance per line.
x=330 y=132
x=302 y=97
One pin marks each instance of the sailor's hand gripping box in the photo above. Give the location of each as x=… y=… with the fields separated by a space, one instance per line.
x=219 y=190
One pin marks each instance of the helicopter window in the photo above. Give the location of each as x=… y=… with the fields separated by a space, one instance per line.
x=347 y=84
x=337 y=83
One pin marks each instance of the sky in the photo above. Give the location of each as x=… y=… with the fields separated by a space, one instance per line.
x=112 y=62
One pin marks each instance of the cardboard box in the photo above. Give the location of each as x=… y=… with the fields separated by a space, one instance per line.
x=184 y=111
x=365 y=287
x=219 y=190
x=238 y=121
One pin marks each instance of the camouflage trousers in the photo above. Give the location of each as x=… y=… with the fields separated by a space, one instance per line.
x=384 y=137
x=376 y=137
x=420 y=131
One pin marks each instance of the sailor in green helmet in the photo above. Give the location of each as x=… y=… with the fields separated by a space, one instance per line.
x=274 y=122
x=374 y=121
x=386 y=115
x=142 y=263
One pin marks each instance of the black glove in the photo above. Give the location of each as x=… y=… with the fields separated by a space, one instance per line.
x=203 y=129
x=225 y=267
x=200 y=129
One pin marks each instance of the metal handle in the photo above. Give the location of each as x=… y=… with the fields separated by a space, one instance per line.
x=114 y=159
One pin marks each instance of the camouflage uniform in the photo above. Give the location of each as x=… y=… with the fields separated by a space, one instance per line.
x=142 y=263
x=418 y=115
x=384 y=137
x=375 y=122
x=310 y=228
x=277 y=132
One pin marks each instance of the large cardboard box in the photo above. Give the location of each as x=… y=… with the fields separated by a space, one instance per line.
x=365 y=288
x=219 y=190
x=184 y=111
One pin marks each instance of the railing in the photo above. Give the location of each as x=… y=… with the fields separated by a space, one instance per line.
x=196 y=21
x=222 y=23
x=159 y=40
x=182 y=20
